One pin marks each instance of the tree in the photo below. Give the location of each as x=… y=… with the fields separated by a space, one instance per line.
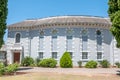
x=66 y=61
x=3 y=17
x=114 y=14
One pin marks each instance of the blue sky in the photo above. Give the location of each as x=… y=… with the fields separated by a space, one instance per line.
x=19 y=10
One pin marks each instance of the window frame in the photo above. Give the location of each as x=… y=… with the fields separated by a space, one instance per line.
x=99 y=41
x=84 y=57
x=42 y=33
x=71 y=54
x=69 y=42
x=54 y=55
x=54 y=31
x=41 y=41
x=53 y=44
x=18 y=38
x=40 y=55
x=98 y=32
x=100 y=56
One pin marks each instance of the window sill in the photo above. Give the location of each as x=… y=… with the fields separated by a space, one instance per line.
x=85 y=60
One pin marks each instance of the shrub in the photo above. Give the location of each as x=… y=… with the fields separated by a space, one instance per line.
x=80 y=63
x=66 y=61
x=117 y=64
x=104 y=64
x=33 y=65
x=12 y=68
x=2 y=69
x=91 y=64
x=27 y=61
x=50 y=62
x=37 y=61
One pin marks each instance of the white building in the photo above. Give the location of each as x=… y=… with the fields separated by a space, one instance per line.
x=85 y=37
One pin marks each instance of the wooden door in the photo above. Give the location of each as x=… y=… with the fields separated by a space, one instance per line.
x=17 y=57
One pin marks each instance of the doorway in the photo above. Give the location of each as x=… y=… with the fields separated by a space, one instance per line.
x=17 y=57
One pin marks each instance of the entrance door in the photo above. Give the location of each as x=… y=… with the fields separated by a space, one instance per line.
x=17 y=57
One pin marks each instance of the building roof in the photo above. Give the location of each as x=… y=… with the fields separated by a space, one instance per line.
x=62 y=20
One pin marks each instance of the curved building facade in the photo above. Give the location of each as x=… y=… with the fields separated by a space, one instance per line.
x=86 y=38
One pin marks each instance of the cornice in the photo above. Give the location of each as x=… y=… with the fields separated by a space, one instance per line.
x=62 y=25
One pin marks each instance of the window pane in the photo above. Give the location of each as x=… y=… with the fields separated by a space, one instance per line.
x=69 y=37
x=54 y=43
x=40 y=55
x=99 y=55
x=17 y=38
x=84 y=32
x=41 y=33
x=54 y=37
x=69 y=43
x=84 y=55
x=54 y=55
x=98 y=32
x=84 y=43
x=41 y=37
x=54 y=31
x=99 y=43
x=41 y=42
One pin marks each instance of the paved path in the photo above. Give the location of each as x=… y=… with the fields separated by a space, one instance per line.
x=74 y=71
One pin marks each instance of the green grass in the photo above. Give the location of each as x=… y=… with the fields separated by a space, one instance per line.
x=56 y=76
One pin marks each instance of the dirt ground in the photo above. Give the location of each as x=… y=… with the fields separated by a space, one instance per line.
x=63 y=74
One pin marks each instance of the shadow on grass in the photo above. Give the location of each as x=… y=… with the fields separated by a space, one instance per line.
x=24 y=68
x=13 y=74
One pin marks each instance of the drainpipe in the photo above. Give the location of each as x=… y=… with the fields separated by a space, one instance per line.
x=113 y=49
x=29 y=44
x=30 y=47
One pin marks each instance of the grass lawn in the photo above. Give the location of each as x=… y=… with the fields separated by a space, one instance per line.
x=56 y=76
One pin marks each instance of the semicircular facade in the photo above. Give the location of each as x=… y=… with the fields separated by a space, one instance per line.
x=84 y=37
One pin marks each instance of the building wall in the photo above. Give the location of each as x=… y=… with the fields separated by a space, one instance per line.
x=30 y=41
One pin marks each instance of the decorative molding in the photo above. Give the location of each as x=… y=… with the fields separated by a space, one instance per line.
x=71 y=25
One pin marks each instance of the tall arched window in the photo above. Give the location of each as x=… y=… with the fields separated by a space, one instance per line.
x=84 y=44
x=17 y=40
x=99 y=40
x=84 y=39
x=99 y=44
x=41 y=43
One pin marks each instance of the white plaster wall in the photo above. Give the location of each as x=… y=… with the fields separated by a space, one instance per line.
x=116 y=52
x=30 y=43
x=34 y=42
x=107 y=39
x=61 y=43
x=92 y=51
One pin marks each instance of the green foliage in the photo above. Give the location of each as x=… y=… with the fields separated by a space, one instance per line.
x=3 y=17
x=8 y=69
x=66 y=61
x=91 y=64
x=114 y=13
x=114 y=6
x=12 y=68
x=117 y=64
x=37 y=61
x=80 y=63
x=116 y=27
x=2 y=69
x=104 y=64
x=27 y=61
x=50 y=62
